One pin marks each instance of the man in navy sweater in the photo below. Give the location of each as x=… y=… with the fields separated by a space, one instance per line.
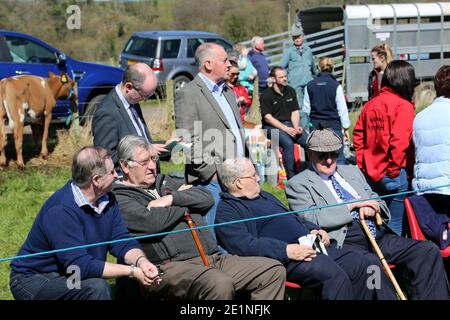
x=339 y=275
x=82 y=212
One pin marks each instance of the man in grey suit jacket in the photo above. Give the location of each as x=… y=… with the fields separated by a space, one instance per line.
x=120 y=114
x=207 y=115
x=324 y=183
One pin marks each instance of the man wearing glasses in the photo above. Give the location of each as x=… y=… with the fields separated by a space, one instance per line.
x=326 y=184
x=336 y=275
x=153 y=203
x=120 y=114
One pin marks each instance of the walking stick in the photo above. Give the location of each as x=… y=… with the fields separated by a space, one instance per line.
x=191 y=225
x=381 y=256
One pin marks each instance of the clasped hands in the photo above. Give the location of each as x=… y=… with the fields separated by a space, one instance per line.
x=147 y=274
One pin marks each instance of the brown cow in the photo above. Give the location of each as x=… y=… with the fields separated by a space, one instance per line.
x=34 y=97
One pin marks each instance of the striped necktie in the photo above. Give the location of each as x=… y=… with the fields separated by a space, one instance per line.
x=345 y=196
x=138 y=121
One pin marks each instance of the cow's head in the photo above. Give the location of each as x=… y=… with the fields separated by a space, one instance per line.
x=62 y=86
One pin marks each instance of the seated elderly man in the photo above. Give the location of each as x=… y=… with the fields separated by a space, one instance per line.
x=324 y=183
x=152 y=203
x=339 y=275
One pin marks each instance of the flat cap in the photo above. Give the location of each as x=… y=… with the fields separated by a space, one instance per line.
x=323 y=140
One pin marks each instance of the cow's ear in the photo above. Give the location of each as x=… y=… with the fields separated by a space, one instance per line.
x=51 y=74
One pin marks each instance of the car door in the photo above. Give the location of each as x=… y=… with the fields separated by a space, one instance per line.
x=24 y=56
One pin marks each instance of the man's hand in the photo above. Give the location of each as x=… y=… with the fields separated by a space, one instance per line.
x=325 y=238
x=366 y=208
x=147 y=273
x=299 y=129
x=300 y=252
x=290 y=131
x=160 y=148
x=184 y=187
x=346 y=135
x=163 y=202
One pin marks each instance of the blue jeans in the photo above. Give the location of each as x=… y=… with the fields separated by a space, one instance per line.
x=389 y=186
x=287 y=144
x=52 y=286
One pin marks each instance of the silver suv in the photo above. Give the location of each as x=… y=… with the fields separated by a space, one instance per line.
x=169 y=53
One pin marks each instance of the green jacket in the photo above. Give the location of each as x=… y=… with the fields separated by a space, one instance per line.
x=300 y=67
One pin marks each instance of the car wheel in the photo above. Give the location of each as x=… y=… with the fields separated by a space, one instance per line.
x=179 y=82
x=90 y=109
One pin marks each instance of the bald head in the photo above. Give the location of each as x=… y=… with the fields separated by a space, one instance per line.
x=87 y=162
x=212 y=60
x=139 y=82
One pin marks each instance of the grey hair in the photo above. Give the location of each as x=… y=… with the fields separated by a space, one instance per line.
x=134 y=75
x=204 y=51
x=231 y=169
x=88 y=162
x=128 y=145
x=256 y=39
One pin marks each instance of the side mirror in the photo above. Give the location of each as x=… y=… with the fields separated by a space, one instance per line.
x=60 y=59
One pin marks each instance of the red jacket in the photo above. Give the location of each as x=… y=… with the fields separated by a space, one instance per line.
x=382 y=135
x=241 y=91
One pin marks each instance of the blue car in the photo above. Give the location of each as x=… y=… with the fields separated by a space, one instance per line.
x=24 y=54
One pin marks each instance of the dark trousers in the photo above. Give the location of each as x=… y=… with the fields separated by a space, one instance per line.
x=342 y=275
x=52 y=286
x=421 y=258
x=287 y=144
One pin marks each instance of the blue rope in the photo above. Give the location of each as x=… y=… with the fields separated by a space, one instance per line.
x=214 y=225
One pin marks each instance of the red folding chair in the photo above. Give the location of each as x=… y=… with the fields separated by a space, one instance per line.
x=416 y=233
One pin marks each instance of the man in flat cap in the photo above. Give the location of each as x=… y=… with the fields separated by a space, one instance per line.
x=324 y=184
x=298 y=60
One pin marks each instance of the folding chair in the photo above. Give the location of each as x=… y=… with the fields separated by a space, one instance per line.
x=416 y=232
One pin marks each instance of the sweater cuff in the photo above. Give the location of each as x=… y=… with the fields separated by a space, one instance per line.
x=95 y=269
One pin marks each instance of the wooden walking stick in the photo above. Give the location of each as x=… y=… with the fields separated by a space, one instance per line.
x=381 y=256
x=191 y=225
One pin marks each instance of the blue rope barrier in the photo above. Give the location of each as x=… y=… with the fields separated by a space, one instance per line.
x=215 y=225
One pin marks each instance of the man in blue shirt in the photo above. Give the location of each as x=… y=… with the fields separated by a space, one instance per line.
x=260 y=62
x=82 y=212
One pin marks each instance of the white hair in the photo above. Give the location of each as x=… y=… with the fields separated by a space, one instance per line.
x=231 y=169
x=256 y=39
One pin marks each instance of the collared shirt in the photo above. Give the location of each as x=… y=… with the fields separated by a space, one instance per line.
x=127 y=106
x=326 y=179
x=216 y=90
x=81 y=200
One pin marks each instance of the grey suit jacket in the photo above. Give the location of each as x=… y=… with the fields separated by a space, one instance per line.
x=307 y=190
x=199 y=120
x=111 y=123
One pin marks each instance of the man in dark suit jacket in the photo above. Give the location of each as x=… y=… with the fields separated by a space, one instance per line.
x=120 y=114
x=207 y=115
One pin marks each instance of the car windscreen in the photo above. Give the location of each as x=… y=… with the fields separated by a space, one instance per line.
x=142 y=47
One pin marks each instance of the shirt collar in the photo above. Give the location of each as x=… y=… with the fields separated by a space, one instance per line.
x=81 y=200
x=124 y=101
x=213 y=87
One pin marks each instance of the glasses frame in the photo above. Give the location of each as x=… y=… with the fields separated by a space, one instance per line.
x=145 y=163
x=143 y=97
x=323 y=156
x=255 y=177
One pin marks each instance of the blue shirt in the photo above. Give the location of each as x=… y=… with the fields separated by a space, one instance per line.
x=62 y=223
x=216 y=90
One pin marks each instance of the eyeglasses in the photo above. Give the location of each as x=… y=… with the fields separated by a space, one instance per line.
x=255 y=177
x=145 y=163
x=234 y=74
x=143 y=96
x=327 y=155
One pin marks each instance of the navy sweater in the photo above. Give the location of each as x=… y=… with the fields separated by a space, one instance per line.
x=266 y=237
x=62 y=224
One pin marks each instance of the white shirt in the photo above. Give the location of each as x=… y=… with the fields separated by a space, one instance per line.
x=344 y=184
x=130 y=115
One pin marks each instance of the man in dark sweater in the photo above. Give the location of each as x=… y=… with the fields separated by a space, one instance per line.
x=281 y=117
x=152 y=203
x=339 y=275
x=83 y=212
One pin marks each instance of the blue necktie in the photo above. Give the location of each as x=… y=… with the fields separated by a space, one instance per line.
x=138 y=122
x=345 y=196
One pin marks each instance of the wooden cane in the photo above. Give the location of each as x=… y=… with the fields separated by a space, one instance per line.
x=191 y=225
x=382 y=259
